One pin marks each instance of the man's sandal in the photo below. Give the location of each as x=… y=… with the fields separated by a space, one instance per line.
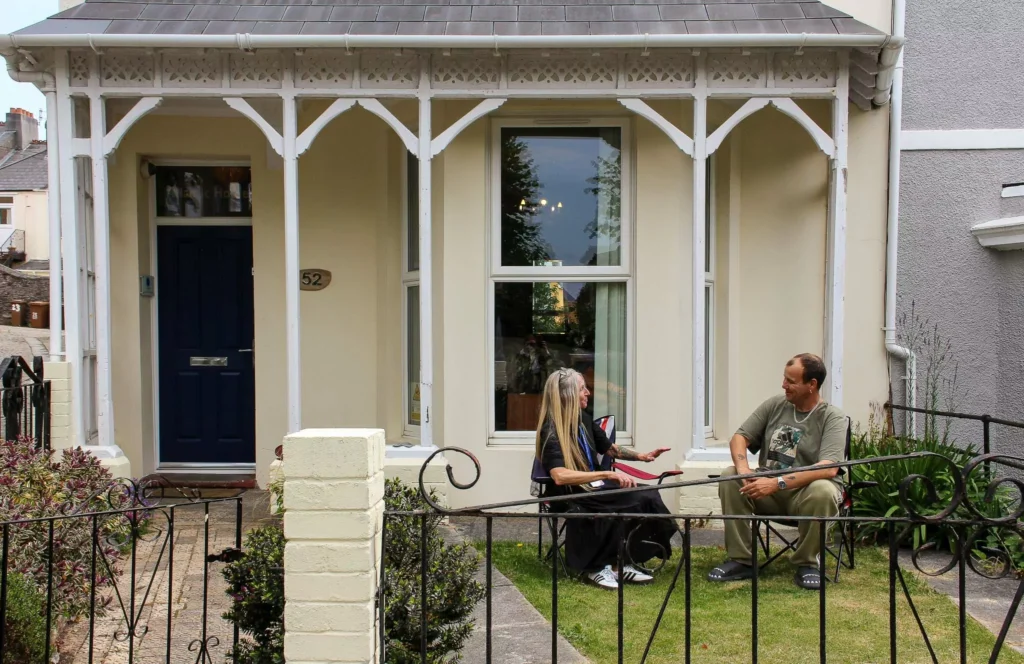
x=808 y=577
x=731 y=570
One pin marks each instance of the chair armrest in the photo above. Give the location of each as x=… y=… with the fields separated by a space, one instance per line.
x=667 y=474
x=633 y=472
x=857 y=486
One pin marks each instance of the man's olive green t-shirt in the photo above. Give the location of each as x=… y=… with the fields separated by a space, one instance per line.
x=789 y=439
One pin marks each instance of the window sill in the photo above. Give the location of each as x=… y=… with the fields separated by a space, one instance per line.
x=1001 y=234
x=404 y=450
x=522 y=439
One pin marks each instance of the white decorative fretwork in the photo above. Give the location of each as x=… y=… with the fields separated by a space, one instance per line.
x=324 y=69
x=79 y=69
x=737 y=70
x=812 y=69
x=388 y=69
x=121 y=69
x=590 y=71
x=191 y=70
x=666 y=69
x=478 y=70
x=256 y=70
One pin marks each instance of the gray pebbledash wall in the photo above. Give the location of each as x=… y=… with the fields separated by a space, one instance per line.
x=964 y=69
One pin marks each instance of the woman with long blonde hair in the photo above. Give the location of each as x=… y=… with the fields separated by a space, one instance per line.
x=570 y=448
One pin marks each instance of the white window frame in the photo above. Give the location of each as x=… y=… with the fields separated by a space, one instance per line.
x=9 y=207
x=710 y=270
x=410 y=279
x=87 y=249
x=497 y=273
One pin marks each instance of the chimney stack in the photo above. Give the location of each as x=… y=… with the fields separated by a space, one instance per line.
x=24 y=126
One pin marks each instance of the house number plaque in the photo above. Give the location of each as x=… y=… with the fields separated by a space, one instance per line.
x=314 y=280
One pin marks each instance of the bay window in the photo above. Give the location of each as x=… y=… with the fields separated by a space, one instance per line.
x=560 y=281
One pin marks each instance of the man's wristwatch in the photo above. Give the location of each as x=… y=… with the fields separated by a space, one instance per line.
x=782 y=483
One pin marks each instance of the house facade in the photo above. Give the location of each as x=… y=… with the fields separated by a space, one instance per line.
x=960 y=208
x=405 y=216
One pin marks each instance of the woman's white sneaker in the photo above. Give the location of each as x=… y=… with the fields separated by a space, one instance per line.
x=604 y=578
x=631 y=574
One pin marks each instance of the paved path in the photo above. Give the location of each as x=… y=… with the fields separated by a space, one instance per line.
x=24 y=341
x=110 y=642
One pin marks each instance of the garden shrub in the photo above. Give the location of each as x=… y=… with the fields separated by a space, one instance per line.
x=256 y=584
x=34 y=484
x=24 y=622
x=452 y=592
x=884 y=501
x=257 y=588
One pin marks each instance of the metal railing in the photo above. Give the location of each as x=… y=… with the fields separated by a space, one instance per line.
x=986 y=421
x=24 y=406
x=969 y=522
x=132 y=576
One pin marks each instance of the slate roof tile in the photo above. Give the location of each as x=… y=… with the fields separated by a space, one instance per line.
x=453 y=17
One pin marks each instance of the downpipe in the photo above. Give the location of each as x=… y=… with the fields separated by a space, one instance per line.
x=892 y=348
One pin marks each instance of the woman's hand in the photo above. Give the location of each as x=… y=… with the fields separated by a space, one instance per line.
x=651 y=456
x=624 y=481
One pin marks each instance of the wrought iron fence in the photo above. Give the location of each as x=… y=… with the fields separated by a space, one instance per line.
x=24 y=401
x=986 y=421
x=132 y=583
x=967 y=521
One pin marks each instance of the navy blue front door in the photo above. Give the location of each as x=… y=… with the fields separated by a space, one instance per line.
x=207 y=389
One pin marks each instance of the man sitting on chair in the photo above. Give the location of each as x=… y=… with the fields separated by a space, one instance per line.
x=792 y=430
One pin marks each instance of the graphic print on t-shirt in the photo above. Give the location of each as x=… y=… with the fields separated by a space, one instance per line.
x=782 y=447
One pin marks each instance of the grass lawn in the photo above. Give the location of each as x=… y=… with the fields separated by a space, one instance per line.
x=857 y=614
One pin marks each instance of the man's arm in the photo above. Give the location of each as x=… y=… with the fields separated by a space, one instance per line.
x=803 y=478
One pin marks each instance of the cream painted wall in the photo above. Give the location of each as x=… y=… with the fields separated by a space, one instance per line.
x=31 y=215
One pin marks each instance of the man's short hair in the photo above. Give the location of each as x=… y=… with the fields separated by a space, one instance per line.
x=814 y=367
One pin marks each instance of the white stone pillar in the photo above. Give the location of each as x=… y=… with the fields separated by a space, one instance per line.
x=334 y=517
x=700 y=157
x=835 y=295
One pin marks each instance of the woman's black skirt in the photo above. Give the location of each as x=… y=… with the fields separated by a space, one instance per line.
x=590 y=544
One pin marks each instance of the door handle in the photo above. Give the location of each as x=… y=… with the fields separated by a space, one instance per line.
x=245 y=350
x=250 y=350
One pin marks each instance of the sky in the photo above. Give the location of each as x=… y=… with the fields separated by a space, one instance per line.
x=15 y=16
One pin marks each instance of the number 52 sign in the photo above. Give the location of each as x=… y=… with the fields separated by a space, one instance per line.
x=314 y=280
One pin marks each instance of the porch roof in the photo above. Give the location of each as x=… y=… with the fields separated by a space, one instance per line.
x=458 y=18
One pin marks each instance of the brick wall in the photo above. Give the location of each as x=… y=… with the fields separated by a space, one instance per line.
x=15 y=285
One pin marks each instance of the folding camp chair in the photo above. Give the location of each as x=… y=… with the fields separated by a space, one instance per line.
x=847 y=535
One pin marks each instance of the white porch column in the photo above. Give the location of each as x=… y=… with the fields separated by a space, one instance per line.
x=293 y=338
x=426 y=266
x=101 y=238
x=835 y=295
x=72 y=273
x=700 y=157
x=53 y=203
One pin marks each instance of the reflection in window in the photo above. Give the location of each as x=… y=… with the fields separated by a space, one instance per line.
x=561 y=197
x=203 y=191
x=543 y=326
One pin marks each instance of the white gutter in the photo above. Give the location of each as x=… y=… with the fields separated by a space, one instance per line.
x=893 y=222
x=251 y=42
x=46 y=82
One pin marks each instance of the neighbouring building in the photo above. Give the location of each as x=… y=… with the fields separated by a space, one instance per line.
x=403 y=216
x=24 y=217
x=959 y=175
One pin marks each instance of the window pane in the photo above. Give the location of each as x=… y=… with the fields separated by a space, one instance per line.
x=412 y=207
x=561 y=196
x=203 y=191
x=541 y=327
x=709 y=228
x=708 y=328
x=5 y=216
x=412 y=309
